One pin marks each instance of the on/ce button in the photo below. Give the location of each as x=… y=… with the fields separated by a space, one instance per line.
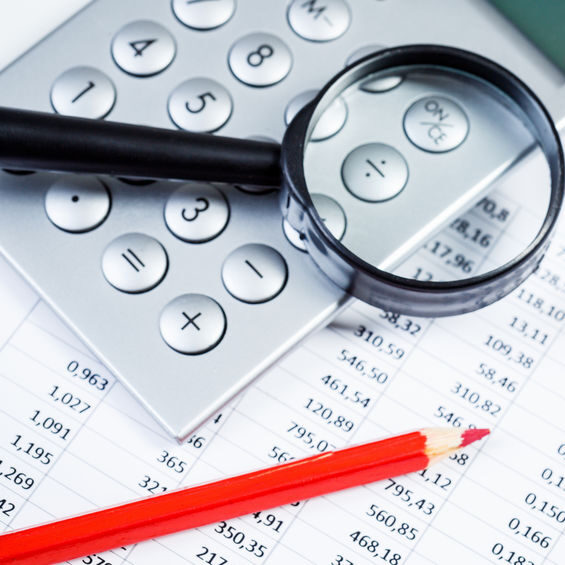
x=436 y=124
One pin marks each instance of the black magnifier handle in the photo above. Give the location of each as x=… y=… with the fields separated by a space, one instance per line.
x=42 y=141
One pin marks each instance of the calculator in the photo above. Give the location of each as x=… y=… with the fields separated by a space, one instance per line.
x=189 y=291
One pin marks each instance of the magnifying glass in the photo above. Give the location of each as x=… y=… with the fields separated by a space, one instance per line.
x=424 y=180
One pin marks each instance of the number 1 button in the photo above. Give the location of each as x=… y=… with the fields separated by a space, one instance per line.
x=83 y=92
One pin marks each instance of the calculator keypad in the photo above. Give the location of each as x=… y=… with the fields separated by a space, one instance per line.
x=83 y=92
x=134 y=262
x=200 y=105
x=192 y=324
x=260 y=59
x=143 y=48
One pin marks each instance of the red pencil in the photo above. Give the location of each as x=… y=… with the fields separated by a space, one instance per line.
x=236 y=496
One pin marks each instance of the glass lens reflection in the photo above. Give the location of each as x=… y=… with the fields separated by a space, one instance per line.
x=437 y=173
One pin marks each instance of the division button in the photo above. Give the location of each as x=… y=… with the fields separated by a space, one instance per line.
x=83 y=92
x=436 y=124
x=260 y=59
x=77 y=203
x=196 y=212
x=143 y=48
x=329 y=123
x=134 y=262
x=374 y=172
x=319 y=20
x=192 y=324
x=203 y=15
x=200 y=105
x=254 y=273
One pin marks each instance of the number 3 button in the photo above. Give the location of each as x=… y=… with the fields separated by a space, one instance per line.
x=200 y=104
x=197 y=212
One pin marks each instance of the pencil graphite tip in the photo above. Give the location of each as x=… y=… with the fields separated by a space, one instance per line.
x=473 y=435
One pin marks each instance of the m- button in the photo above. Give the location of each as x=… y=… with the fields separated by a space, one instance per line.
x=436 y=124
x=192 y=324
x=319 y=20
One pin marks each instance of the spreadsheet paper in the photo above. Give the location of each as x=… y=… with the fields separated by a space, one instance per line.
x=72 y=439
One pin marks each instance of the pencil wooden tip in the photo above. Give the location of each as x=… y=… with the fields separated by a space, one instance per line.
x=473 y=435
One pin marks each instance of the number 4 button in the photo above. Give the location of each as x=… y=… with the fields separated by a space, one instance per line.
x=143 y=48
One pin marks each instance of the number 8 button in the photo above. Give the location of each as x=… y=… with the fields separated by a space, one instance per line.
x=260 y=59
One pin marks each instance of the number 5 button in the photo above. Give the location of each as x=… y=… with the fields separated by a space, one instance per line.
x=200 y=104
x=196 y=212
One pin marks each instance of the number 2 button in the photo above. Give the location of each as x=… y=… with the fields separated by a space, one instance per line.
x=196 y=212
x=200 y=104
x=260 y=59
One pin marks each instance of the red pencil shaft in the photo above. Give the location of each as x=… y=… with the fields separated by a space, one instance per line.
x=205 y=504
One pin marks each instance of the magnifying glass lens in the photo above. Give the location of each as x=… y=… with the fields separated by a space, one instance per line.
x=434 y=175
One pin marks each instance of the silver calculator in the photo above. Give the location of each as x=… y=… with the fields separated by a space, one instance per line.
x=134 y=266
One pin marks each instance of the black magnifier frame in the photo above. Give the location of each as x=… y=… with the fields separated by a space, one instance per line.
x=381 y=288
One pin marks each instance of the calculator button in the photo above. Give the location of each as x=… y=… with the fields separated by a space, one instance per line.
x=260 y=59
x=374 y=172
x=143 y=48
x=192 y=324
x=436 y=124
x=254 y=273
x=200 y=105
x=325 y=21
x=77 y=203
x=294 y=237
x=381 y=84
x=363 y=52
x=203 y=14
x=134 y=262
x=197 y=212
x=329 y=123
x=83 y=92
x=331 y=213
